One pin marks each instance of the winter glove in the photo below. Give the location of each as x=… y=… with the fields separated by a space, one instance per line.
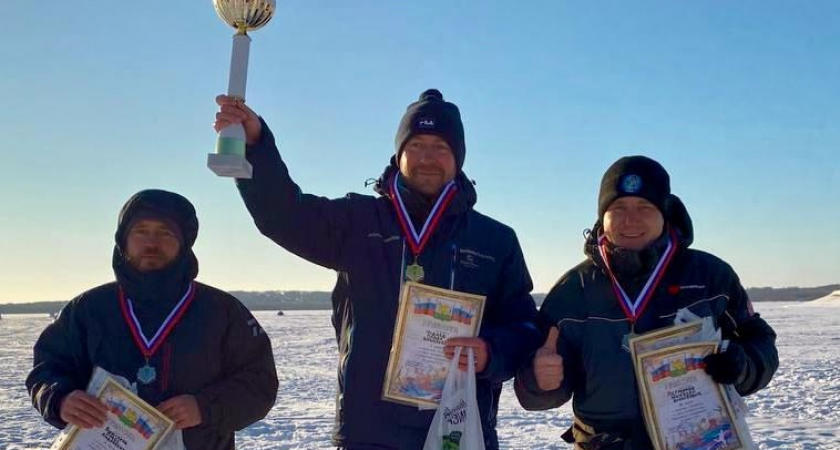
x=729 y=367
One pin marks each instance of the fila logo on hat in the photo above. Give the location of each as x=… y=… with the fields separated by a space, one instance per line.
x=426 y=123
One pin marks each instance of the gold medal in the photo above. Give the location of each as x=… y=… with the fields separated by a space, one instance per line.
x=414 y=272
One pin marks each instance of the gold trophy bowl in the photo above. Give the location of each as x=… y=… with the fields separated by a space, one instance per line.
x=245 y=15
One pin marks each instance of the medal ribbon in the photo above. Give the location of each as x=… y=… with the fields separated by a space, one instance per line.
x=418 y=240
x=149 y=346
x=634 y=309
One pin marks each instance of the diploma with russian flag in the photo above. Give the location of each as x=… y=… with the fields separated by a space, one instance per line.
x=684 y=408
x=427 y=317
x=132 y=424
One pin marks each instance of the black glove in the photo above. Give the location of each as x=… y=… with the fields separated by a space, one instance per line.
x=728 y=367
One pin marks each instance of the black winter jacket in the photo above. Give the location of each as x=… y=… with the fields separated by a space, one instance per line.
x=217 y=352
x=359 y=237
x=599 y=374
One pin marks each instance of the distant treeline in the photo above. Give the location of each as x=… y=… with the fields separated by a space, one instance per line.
x=296 y=300
x=790 y=294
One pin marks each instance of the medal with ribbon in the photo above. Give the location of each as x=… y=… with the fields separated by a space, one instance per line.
x=634 y=308
x=148 y=347
x=417 y=241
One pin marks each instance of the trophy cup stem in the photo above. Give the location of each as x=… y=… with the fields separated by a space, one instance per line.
x=229 y=159
x=239 y=65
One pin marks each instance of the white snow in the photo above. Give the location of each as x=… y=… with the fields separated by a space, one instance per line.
x=832 y=299
x=799 y=410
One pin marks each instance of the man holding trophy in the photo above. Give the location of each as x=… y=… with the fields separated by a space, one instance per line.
x=421 y=231
x=639 y=273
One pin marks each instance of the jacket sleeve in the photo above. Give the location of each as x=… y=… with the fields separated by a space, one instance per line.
x=248 y=388
x=60 y=365
x=510 y=329
x=553 y=313
x=309 y=226
x=745 y=327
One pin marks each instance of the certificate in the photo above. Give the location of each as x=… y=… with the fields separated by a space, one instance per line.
x=684 y=408
x=427 y=317
x=131 y=424
x=665 y=337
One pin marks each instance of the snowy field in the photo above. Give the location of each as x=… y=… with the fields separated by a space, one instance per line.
x=800 y=409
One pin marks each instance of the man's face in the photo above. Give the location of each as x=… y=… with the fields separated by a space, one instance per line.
x=633 y=222
x=151 y=245
x=427 y=163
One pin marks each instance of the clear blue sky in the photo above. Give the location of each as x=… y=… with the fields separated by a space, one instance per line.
x=739 y=101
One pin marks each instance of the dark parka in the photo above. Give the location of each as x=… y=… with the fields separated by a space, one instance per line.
x=359 y=237
x=599 y=374
x=217 y=352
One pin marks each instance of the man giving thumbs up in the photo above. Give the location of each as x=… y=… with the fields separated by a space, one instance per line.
x=639 y=271
x=548 y=364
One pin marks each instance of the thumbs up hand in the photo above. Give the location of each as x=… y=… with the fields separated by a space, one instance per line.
x=548 y=365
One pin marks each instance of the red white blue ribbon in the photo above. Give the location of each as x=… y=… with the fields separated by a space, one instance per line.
x=418 y=240
x=634 y=308
x=149 y=346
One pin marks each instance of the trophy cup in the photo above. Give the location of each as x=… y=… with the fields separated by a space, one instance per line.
x=243 y=15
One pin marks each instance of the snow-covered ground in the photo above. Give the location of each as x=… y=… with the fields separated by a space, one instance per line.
x=832 y=299
x=799 y=410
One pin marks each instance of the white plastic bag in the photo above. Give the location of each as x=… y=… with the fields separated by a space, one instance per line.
x=456 y=425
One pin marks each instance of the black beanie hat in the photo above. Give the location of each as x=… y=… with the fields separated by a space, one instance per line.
x=635 y=176
x=171 y=208
x=432 y=115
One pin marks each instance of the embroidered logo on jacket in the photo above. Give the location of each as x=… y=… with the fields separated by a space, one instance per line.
x=470 y=258
x=256 y=330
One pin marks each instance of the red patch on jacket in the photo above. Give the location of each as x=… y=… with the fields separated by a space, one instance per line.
x=674 y=289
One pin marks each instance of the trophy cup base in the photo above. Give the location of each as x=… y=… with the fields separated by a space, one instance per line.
x=233 y=166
